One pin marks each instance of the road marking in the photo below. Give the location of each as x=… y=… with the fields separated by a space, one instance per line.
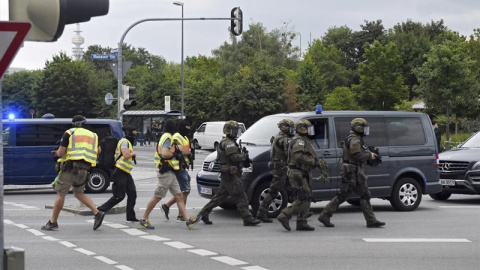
x=35 y=232
x=50 y=238
x=105 y=260
x=154 y=238
x=134 y=232
x=229 y=260
x=459 y=206
x=116 y=226
x=202 y=252
x=255 y=267
x=21 y=205
x=416 y=240
x=178 y=245
x=67 y=244
x=124 y=267
x=7 y=221
x=21 y=226
x=84 y=251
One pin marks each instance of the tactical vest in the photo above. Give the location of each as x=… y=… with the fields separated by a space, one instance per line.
x=82 y=145
x=278 y=152
x=173 y=162
x=347 y=156
x=124 y=164
x=184 y=142
x=294 y=147
x=221 y=154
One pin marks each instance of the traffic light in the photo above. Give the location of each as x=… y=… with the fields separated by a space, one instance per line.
x=49 y=17
x=128 y=99
x=236 y=26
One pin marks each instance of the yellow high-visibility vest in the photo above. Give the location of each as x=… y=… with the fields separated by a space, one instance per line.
x=124 y=164
x=184 y=142
x=82 y=145
x=173 y=162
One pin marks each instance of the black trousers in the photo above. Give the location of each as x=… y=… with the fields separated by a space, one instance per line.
x=122 y=184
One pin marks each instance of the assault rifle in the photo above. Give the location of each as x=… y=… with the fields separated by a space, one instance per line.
x=192 y=156
x=179 y=155
x=247 y=162
x=378 y=158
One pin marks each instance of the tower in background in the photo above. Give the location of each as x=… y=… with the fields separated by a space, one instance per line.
x=77 y=40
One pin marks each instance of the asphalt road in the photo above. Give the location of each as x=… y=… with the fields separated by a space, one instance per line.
x=438 y=235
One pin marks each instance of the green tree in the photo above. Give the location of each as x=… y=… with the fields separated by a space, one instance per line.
x=17 y=92
x=447 y=82
x=342 y=98
x=381 y=82
x=311 y=85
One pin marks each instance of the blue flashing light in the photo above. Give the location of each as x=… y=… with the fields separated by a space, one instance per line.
x=318 y=109
x=11 y=116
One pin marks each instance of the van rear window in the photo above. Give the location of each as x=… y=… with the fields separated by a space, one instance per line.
x=403 y=131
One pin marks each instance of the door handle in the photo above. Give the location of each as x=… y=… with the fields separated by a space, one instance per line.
x=327 y=153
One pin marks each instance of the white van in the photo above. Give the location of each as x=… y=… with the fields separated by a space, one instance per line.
x=209 y=134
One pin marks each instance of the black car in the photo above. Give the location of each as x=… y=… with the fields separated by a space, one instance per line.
x=460 y=169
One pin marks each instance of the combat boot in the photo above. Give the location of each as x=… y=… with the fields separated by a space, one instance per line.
x=262 y=217
x=303 y=226
x=376 y=224
x=284 y=221
x=206 y=220
x=251 y=222
x=325 y=220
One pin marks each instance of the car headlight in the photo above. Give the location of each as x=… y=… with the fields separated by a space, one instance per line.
x=476 y=166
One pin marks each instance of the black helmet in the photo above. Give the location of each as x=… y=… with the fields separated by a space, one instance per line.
x=78 y=120
x=183 y=127
x=169 y=126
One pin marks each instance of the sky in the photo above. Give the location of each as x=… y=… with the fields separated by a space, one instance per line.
x=309 y=18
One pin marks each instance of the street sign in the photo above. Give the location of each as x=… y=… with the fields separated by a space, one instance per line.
x=12 y=35
x=125 y=67
x=109 y=98
x=103 y=57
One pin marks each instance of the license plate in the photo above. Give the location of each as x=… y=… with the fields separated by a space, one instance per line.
x=445 y=182
x=205 y=190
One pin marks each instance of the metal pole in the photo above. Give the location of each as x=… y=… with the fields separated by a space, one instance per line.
x=183 y=78
x=2 y=248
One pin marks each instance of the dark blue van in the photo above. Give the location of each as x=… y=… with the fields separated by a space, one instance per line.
x=27 y=146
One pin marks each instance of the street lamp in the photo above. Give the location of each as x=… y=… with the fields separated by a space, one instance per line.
x=182 y=75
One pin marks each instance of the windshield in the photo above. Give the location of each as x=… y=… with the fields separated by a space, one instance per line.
x=472 y=142
x=261 y=132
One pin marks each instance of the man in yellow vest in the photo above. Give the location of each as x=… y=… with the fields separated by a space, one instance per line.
x=78 y=152
x=168 y=162
x=180 y=139
x=122 y=179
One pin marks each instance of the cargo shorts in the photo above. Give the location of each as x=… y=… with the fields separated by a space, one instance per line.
x=65 y=180
x=167 y=181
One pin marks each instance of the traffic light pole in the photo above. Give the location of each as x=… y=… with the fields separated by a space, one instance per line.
x=119 y=57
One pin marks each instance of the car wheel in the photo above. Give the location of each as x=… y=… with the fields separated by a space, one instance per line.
x=97 y=181
x=406 y=195
x=277 y=204
x=228 y=205
x=354 y=202
x=441 y=196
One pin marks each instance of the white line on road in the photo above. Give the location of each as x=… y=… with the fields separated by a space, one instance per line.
x=416 y=240
x=67 y=244
x=460 y=207
x=84 y=251
x=35 y=232
x=154 y=238
x=50 y=238
x=134 y=231
x=105 y=260
x=21 y=226
x=124 y=267
x=229 y=260
x=8 y=221
x=202 y=252
x=255 y=267
x=117 y=226
x=178 y=245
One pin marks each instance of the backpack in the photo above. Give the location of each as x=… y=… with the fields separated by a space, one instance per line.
x=106 y=159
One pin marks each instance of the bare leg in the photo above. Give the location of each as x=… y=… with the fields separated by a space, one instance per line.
x=87 y=201
x=181 y=206
x=57 y=207
x=151 y=204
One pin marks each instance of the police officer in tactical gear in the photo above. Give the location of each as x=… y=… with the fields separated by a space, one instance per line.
x=354 y=179
x=77 y=153
x=122 y=179
x=231 y=160
x=301 y=160
x=279 y=154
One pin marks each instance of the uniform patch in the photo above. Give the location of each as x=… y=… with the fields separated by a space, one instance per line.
x=301 y=143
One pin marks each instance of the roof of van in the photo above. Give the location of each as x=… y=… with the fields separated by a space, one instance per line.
x=57 y=120
x=348 y=113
